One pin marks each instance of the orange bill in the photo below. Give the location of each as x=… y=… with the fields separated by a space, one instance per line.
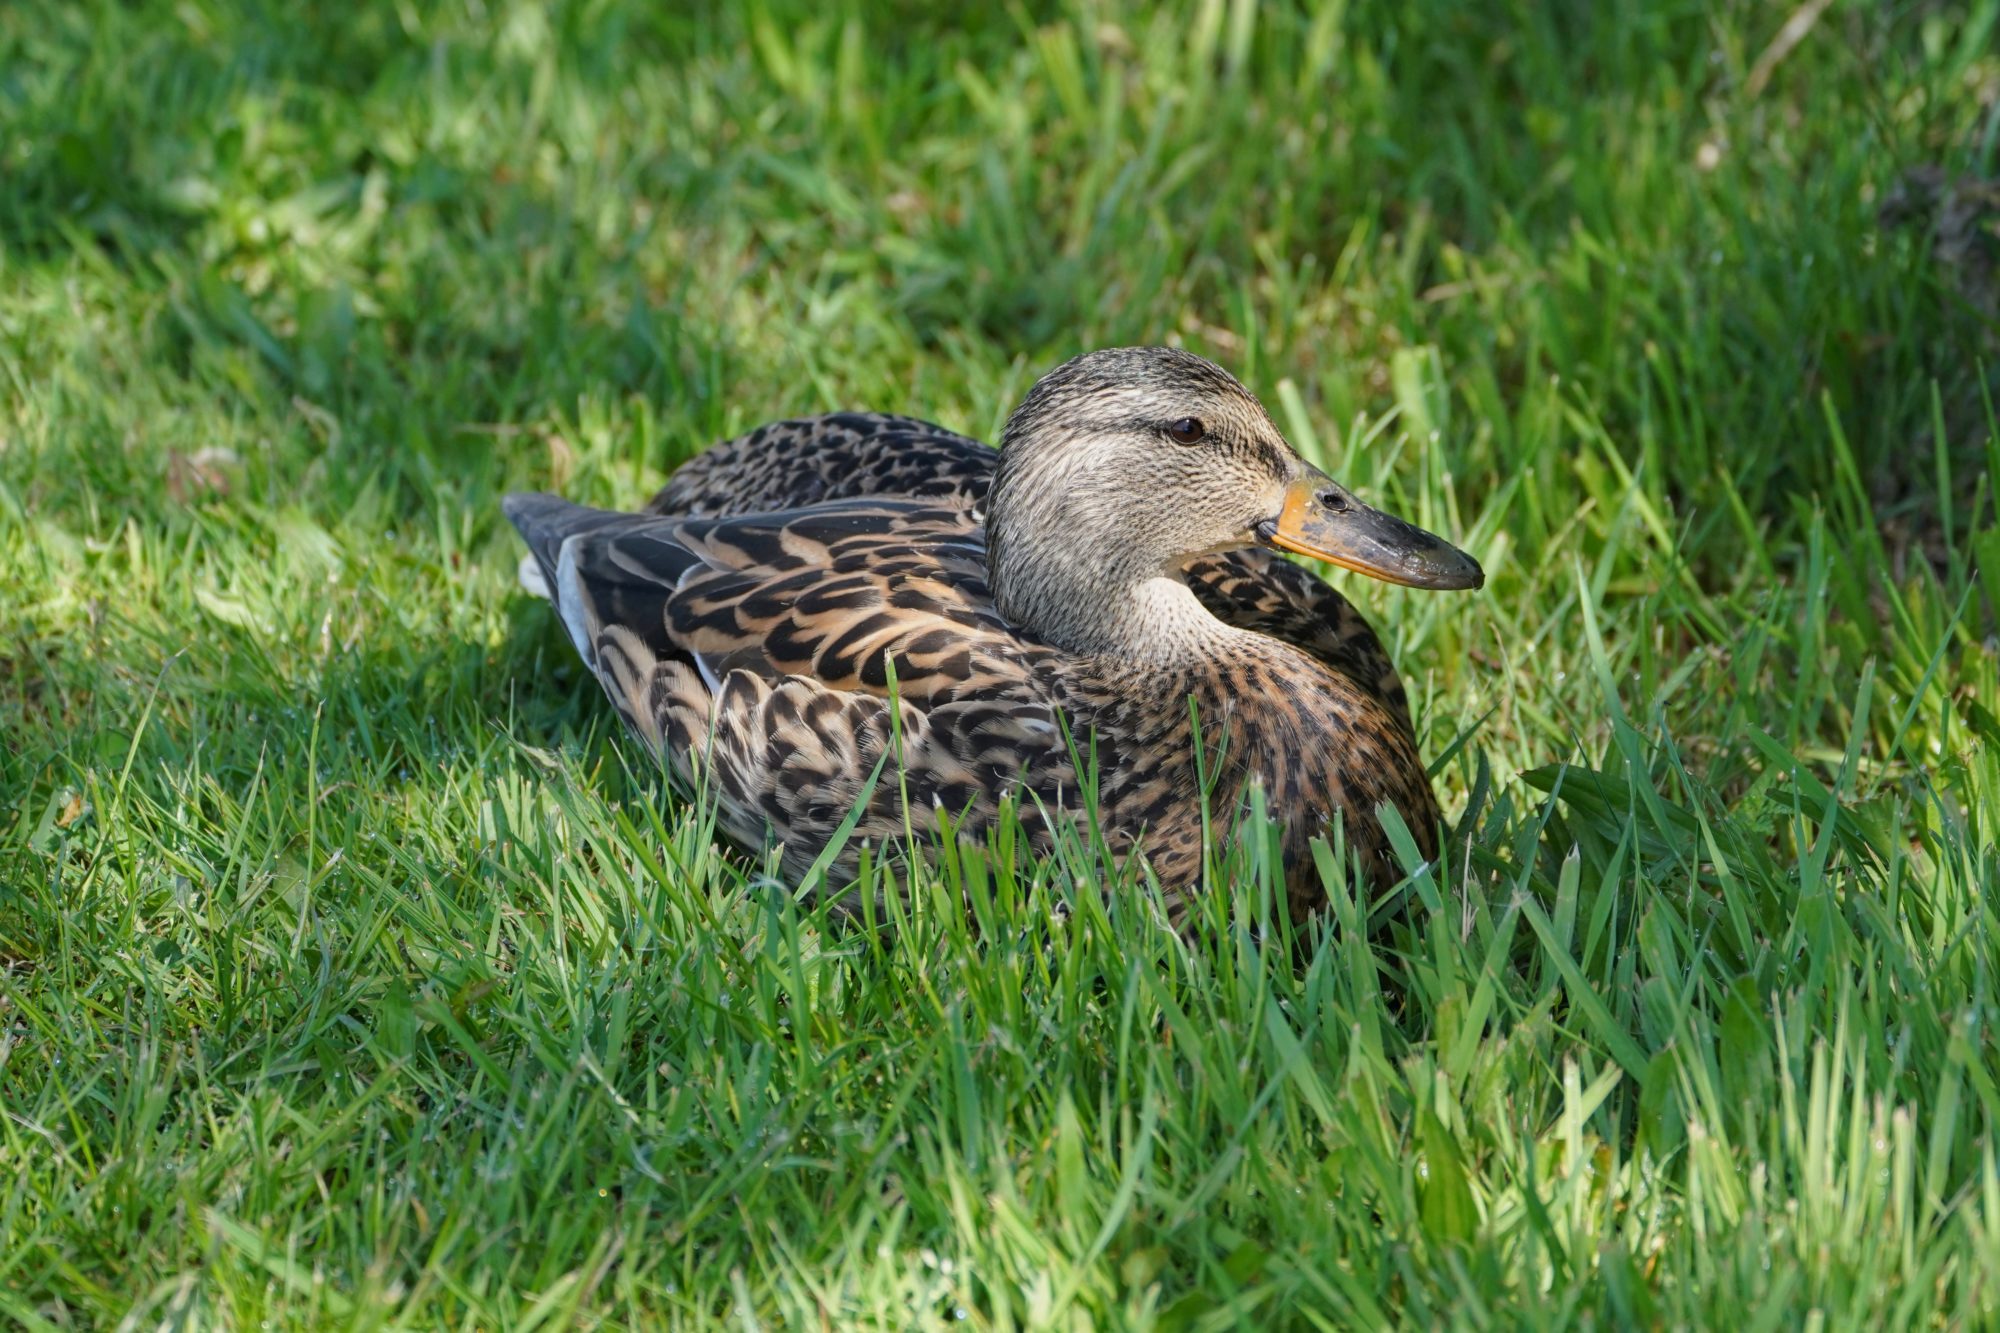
x=1321 y=519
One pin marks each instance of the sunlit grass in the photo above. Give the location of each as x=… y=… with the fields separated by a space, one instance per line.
x=352 y=971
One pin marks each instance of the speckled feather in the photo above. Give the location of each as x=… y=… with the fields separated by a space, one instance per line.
x=746 y=627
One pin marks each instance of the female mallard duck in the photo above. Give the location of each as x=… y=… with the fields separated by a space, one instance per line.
x=1095 y=587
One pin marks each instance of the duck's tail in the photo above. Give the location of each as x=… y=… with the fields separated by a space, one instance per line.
x=599 y=567
x=539 y=520
x=554 y=528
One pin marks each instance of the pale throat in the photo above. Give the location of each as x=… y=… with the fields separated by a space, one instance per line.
x=1092 y=609
x=1063 y=565
x=1165 y=622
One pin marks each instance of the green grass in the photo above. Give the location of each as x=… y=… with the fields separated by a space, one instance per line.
x=353 y=972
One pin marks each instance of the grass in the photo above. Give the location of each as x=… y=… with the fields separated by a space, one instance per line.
x=351 y=976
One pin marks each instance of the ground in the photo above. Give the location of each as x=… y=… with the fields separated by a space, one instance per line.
x=354 y=971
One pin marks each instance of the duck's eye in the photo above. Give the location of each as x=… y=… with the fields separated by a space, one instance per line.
x=1188 y=430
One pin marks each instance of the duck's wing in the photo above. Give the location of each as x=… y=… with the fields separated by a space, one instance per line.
x=854 y=455
x=755 y=654
x=811 y=460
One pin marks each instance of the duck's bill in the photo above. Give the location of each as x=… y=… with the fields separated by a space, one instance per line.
x=1322 y=520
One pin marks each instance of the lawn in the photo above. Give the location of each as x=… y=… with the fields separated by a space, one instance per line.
x=355 y=971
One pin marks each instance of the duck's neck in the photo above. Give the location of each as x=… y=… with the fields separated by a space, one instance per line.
x=1096 y=606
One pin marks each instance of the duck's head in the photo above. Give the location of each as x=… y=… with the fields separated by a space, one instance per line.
x=1123 y=465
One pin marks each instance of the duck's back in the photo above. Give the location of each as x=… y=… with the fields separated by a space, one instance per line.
x=842 y=456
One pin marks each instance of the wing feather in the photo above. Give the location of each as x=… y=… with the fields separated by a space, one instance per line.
x=757 y=655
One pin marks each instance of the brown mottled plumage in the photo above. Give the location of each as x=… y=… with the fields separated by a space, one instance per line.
x=1098 y=577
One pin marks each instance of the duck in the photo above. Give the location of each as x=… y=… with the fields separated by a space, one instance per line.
x=868 y=617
